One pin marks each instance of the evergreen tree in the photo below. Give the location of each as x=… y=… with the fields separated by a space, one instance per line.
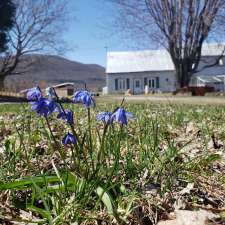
x=7 y=13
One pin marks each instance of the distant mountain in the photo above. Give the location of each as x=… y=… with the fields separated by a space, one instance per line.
x=48 y=70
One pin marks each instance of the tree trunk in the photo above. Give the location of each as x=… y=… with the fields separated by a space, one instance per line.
x=183 y=75
x=2 y=86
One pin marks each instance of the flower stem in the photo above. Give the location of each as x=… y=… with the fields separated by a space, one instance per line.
x=55 y=141
x=71 y=125
x=50 y=130
x=90 y=138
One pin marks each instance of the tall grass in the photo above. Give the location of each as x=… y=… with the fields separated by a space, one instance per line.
x=112 y=171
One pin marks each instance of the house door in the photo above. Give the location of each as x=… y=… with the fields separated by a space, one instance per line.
x=122 y=85
x=152 y=83
x=137 y=86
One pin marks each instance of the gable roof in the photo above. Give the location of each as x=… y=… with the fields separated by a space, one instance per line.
x=138 y=61
x=62 y=85
x=149 y=60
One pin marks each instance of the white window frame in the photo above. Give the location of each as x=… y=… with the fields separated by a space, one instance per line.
x=139 y=83
x=121 y=84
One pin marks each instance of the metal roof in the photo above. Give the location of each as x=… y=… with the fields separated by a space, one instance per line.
x=214 y=49
x=212 y=79
x=138 y=61
x=62 y=85
x=150 y=60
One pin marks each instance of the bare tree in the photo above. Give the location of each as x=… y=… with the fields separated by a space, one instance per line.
x=181 y=26
x=38 y=27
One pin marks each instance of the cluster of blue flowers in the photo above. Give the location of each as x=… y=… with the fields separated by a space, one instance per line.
x=43 y=106
x=84 y=97
x=119 y=115
x=66 y=115
x=46 y=106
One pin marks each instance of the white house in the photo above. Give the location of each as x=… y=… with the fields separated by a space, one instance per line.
x=154 y=70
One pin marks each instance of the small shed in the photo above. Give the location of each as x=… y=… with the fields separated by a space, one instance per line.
x=64 y=89
x=217 y=82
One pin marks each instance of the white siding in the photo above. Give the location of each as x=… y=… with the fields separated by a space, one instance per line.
x=166 y=81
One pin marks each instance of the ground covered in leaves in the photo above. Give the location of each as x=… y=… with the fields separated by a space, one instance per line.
x=167 y=161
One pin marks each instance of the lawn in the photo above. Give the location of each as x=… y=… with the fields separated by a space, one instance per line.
x=167 y=99
x=168 y=157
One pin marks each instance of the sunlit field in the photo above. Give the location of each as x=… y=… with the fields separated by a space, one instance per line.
x=167 y=156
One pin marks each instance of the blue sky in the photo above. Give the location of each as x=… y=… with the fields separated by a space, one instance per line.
x=85 y=34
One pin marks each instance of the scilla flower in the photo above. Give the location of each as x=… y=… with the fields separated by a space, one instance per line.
x=66 y=115
x=121 y=116
x=83 y=97
x=69 y=139
x=105 y=117
x=34 y=94
x=44 y=107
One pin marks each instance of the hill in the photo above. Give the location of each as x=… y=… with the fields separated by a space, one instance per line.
x=47 y=70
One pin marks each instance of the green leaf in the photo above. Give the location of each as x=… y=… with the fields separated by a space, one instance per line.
x=42 y=212
x=107 y=200
x=28 y=182
x=42 y=180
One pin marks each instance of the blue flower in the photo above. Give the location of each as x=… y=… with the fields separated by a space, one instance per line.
x=83 y=97
x=34 y=94
x=121 y=116
x=69 y=139
x=66 y=115
x=44 y=107
x=105 y=117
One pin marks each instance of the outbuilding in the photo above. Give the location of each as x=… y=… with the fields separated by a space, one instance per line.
x=64 y=89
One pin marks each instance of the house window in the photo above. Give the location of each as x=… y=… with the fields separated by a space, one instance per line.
x=157 y=82
x=116 y=84
x=137 y=83
x=145 y=81
x=128 y=83
x=70 y=91
x=151 y=83
x=121 y=84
